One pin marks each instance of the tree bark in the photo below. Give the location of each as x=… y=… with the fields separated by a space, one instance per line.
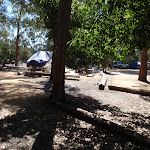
x=17 y=40
x=17 y=45
x=53 y=60
x=143 y=67
x=64 y=12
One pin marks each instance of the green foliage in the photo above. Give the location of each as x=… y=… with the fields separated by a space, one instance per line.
x=136 y=21
x=48 y=10
x=6 y=53
x=141 y=32
x=25 y=53
x=22 y=17
x=132 y=56
x=94 y=41
x=3 y=22
x=100 y=30
x=26 y=20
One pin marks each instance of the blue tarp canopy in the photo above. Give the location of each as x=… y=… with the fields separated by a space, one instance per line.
x=39 y=59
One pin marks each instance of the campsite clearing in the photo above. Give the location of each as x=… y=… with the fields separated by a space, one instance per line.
x=26 y=119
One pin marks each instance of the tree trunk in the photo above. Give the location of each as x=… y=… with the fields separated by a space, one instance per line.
x=58 y=91
x=17 y=40
x=17 y=45
x=143 y=68
x=53 y=60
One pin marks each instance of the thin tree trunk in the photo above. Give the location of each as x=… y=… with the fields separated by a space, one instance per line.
x=58 y=91
x=17 y=45
x=143 y=68
x=17 y=40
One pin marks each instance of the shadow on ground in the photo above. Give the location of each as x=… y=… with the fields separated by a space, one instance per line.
x=91 y=105
x=41 y=125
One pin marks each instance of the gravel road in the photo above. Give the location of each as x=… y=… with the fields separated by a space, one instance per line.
x=126 y=109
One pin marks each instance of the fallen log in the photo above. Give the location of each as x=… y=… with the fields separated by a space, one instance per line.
x=134 y=91
x=39 y=74
x=109 y=125
x=31 y=74
x=103 y=82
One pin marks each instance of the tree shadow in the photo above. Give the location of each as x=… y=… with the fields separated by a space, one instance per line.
x=70 y=88
x=91 y=105
x=47 y=127
x=140 y=120
x=43 y=126
x=146 y=82
x=35 y=120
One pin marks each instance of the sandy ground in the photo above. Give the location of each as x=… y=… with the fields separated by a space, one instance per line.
x=28 y=122
x=128 y=79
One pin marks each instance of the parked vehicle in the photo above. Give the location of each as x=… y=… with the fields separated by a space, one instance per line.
x=118 y=64
x=135 y=65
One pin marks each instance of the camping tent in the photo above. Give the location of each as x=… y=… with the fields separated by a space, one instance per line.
x=39 y=59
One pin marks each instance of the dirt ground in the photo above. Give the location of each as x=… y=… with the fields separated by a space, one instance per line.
x=28 y=121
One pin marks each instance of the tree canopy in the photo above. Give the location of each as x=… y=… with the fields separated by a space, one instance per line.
x=21 y=24
x=137 y=14
x=100 y=31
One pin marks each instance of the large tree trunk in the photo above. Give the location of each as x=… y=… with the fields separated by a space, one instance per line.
x=58 y=91
x=143 y=68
